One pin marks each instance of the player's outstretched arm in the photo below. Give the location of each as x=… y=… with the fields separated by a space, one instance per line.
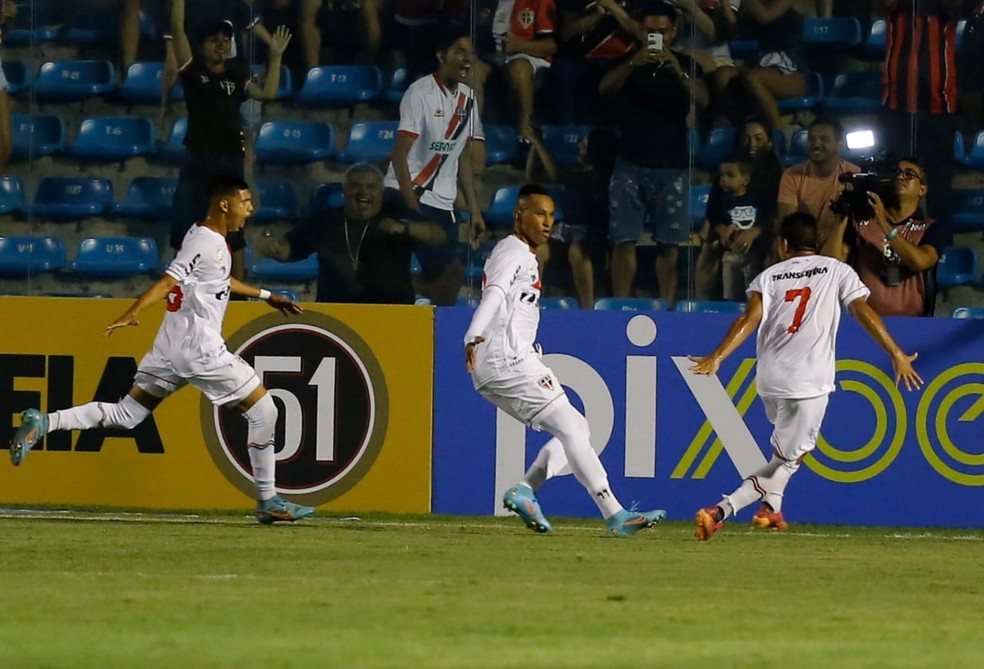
x=740 y=330
x=275 y=300
x=155 y=293
x=875 y=326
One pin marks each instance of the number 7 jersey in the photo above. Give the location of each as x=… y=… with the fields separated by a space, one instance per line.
x=802 y=301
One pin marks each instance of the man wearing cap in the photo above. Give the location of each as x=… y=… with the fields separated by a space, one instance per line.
x=214 y=88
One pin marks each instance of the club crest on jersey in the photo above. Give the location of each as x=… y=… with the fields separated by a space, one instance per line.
x=526 y=18
x=219 y=255
x=546 y=382
x=229 y=87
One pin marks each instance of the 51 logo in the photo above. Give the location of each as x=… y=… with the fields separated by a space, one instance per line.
x=332 y=401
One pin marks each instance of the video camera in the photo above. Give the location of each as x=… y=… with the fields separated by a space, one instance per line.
x=877 y=175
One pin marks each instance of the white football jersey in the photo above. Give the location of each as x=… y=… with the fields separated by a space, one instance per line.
x=510 y=336
x=442 y=121
x=192 y=327
x=802 y=300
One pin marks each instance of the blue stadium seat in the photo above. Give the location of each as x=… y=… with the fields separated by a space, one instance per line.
x=143 y=84
x=294 y=142
x=500 y=144
x=36 y=135
x=324 y=197
x=468 y=302
x=396 y=85
x=630 y=304
x=111 y=138
x=969 y=312
x=975 y=158
x=855 y=93
x=74 y=80
x=874 y=45
x=11 y=196
x=500 y=213
x=27 y=36
x=267 y=268
x=798 y=148
x=475 y=265
x=340 y=85
x=959 y=149
x=69 y=198
x=710 y=307
x=115 y=256
x=968 y=210
x=559 y=303
x=18 y=76
x=24 y=256
x=278 y=201
x=174 y=150
x=957 y=267
x=813 y=97
x=698 y=205
x=563 y=142
x=147 y=198
x=720 y=142
x=286 y=85
x=831 y=34
x=370 y=141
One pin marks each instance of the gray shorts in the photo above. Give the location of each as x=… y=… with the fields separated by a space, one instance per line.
x=649 y=198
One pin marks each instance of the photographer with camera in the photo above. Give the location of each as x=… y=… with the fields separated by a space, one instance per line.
x=894 y=248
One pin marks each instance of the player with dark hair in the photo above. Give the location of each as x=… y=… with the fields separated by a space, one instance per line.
x=506 y=369
x=189 y=349
x=796 y=307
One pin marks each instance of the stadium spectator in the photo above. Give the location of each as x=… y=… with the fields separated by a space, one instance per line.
x=215 y=87
x=780 y=71
x=505 y=366
x=352 y=29
x=970 y=79
x=655 y=89
x=438 y=121
x=363 y=251
x=8 y=12
x=812 y=185
x=920 y=92
x=796 y=308
x=592 y=36
x=189 y=349
x=896 y=251
x=734 y=237
x=523 y=30
x=585 y=229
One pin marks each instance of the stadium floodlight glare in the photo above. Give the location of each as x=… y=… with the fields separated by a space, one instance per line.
x=860 y=139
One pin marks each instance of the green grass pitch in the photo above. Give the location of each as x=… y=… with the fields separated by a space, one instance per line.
x=108 y=590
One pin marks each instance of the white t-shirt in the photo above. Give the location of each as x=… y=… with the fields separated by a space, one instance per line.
x=192 y=327
x=510 y=335
x=442 y=121
x=802 y=300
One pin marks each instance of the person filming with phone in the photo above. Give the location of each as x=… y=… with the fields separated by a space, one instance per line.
x=656 y=88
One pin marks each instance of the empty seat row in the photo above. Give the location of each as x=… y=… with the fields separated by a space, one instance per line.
x=96 y=256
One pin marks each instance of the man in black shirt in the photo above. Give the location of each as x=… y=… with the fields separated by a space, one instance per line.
x=655 y=87
x=363 y=252
x=214 y=87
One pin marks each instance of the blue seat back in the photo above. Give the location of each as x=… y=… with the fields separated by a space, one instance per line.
x=370 y=141
x=720 y=142
x=630 y=304
x=969 y=312
x=564 y=141
x=500 y=213
x=396 y=85
x=295 y=142
x=18 y=76
x=278 y=201
x=957 y=266
x=71 y=80
x=559 y=303
x=340 y=85
x=500 y=144
x=23 y=256
x=143 y=84
x=874 y=45
x=832 y=32
x=326 y=196
x=710 y=307
x=968 y=210
x=174 y=150
x=11 y=196
x=65 y=198
x=116 y=256
x=285 y=87
x=268 y=268
x=114 y=138
x=36 y=135
x=148 y=197
x=855 y=93
x=812 y=99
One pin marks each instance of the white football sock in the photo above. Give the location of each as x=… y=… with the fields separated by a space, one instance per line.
x=127 y=413
x=262 y=421
x=571 y=428
x=549 y=461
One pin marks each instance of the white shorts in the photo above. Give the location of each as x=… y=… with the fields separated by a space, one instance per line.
x=539 y=64
x=526 y=392
x=229 y=381
x=796 y=424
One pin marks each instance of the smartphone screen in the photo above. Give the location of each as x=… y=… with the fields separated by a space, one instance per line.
x=655 y=41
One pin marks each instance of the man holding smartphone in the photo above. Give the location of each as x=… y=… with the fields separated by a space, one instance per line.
x=657 y=89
